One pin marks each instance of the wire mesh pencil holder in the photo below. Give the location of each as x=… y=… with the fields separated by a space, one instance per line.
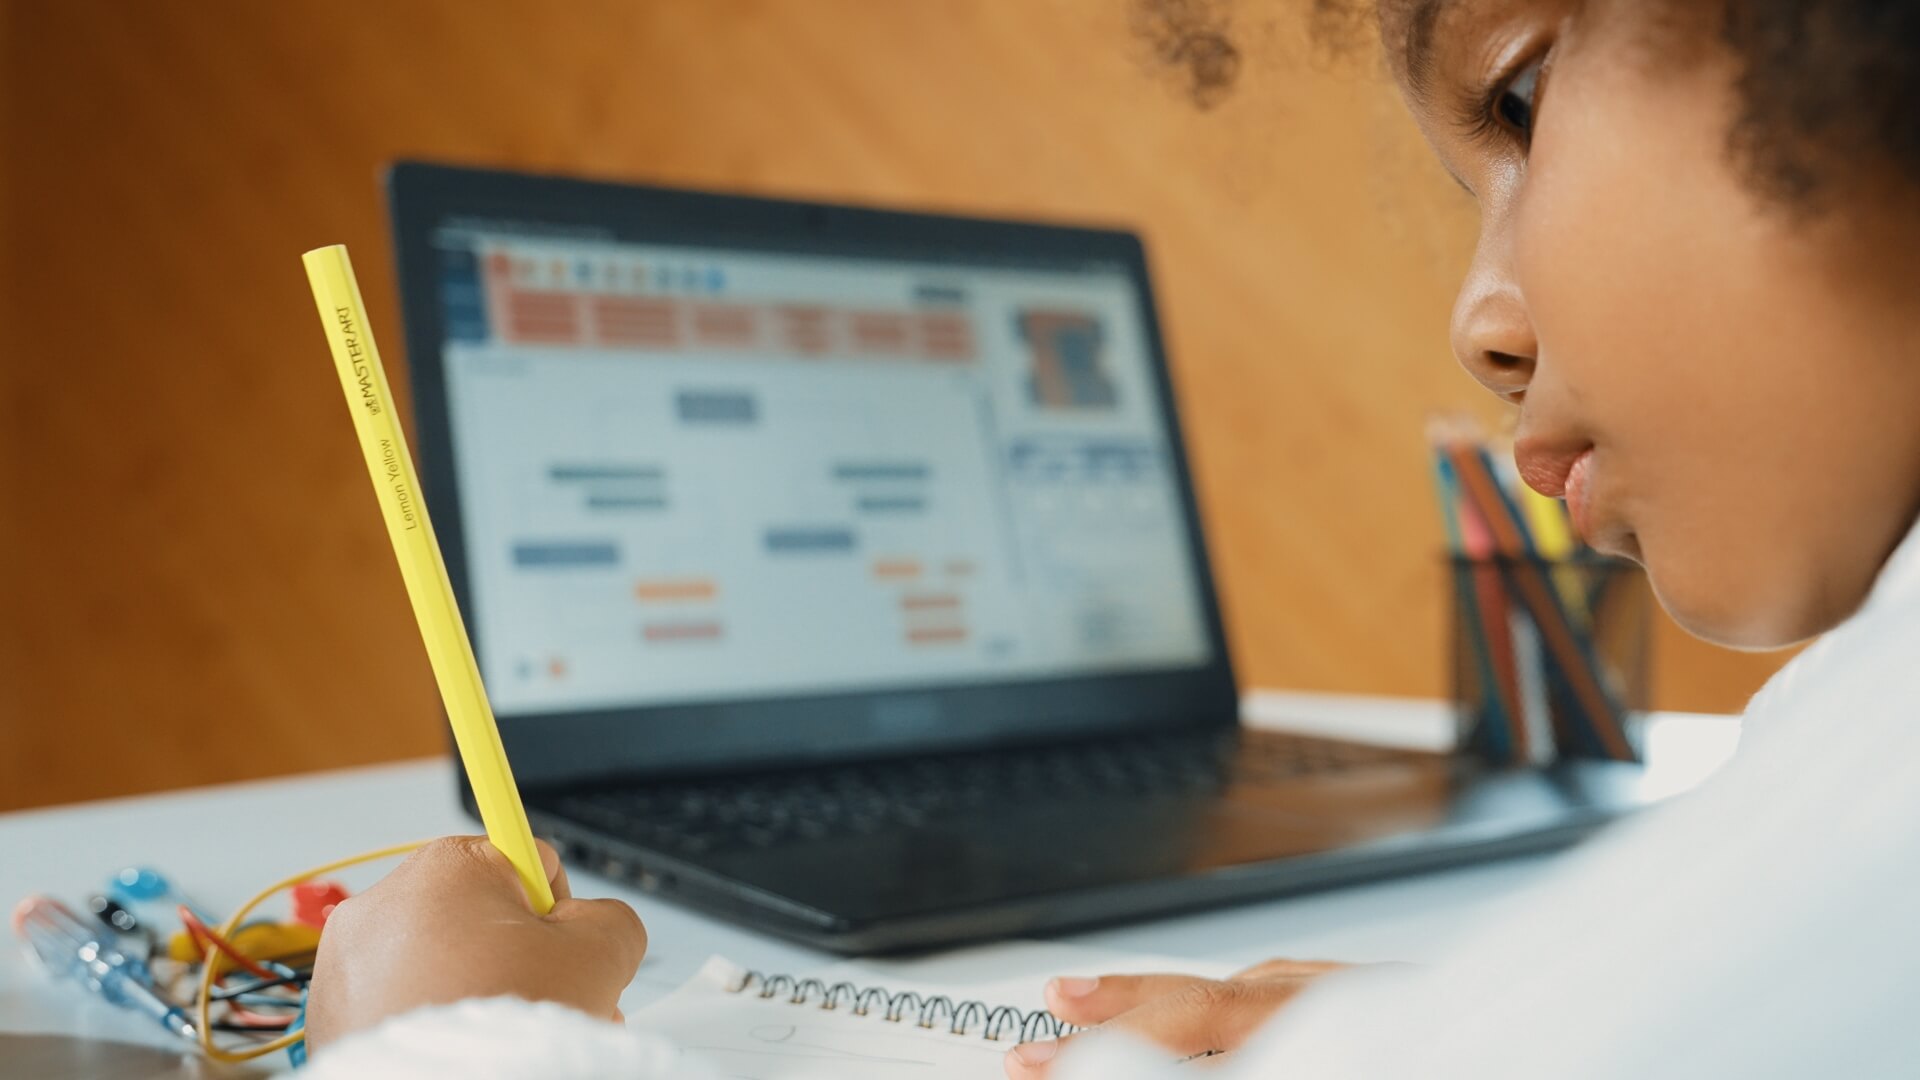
x=1550 y=657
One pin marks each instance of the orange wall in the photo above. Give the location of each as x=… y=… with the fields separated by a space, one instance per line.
x=195 y=582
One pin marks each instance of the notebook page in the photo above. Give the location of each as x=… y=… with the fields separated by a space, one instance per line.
x=1010 y=972
x=747 y=1037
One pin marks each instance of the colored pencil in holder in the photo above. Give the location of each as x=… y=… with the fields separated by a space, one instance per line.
x=1595 y=714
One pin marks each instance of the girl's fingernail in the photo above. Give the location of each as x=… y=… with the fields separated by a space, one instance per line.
x=1036 y=1053
x=1070 y=986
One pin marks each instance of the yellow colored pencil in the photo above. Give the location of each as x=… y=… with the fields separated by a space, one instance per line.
x=1553 y=539
x=390 y=465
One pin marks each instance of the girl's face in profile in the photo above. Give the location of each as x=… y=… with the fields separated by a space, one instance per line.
x=1724 y=388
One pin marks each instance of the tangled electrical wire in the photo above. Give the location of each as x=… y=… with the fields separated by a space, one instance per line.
x=271 y=1006
x=248 y=975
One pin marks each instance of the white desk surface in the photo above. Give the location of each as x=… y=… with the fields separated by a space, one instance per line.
x=220 y=844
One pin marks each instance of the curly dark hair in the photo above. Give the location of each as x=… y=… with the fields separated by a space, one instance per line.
x=1825 y=84
x=1828 y=88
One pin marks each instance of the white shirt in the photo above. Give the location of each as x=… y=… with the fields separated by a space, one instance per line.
x=1766 y=926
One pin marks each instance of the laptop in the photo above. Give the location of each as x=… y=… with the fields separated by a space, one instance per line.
x=837 y=571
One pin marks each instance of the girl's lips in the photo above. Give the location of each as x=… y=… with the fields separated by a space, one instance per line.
x=1544 y=465
x=1560 y=468
x=1578 y=494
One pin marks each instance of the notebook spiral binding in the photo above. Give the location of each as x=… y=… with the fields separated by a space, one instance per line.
x=992 y=1022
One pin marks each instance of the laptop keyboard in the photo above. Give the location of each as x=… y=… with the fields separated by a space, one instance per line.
x=697 y=816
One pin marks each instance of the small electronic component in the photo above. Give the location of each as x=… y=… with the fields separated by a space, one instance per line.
x=113 y=913
x=67 y=944
x=313 y=901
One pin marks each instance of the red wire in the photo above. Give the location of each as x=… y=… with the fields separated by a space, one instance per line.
x=260 y=1020
x=206 y=937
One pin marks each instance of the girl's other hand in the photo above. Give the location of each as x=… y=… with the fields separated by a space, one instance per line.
x=452 y=922
x=1185 y=1014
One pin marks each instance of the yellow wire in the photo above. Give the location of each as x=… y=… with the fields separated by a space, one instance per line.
x=203 y=1001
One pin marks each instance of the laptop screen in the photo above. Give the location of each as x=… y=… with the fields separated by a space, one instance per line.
x=697 y=475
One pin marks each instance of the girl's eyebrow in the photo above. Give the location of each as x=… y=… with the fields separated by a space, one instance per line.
x=1417 y=46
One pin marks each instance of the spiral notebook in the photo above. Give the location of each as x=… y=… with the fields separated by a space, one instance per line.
x=757 y=1026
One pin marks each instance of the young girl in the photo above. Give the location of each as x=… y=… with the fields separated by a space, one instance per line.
x=1698 y=279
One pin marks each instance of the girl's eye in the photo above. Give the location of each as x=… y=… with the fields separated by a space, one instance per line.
x=1513 y=101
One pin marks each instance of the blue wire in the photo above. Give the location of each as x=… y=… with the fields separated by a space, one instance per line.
x=297 y=1053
